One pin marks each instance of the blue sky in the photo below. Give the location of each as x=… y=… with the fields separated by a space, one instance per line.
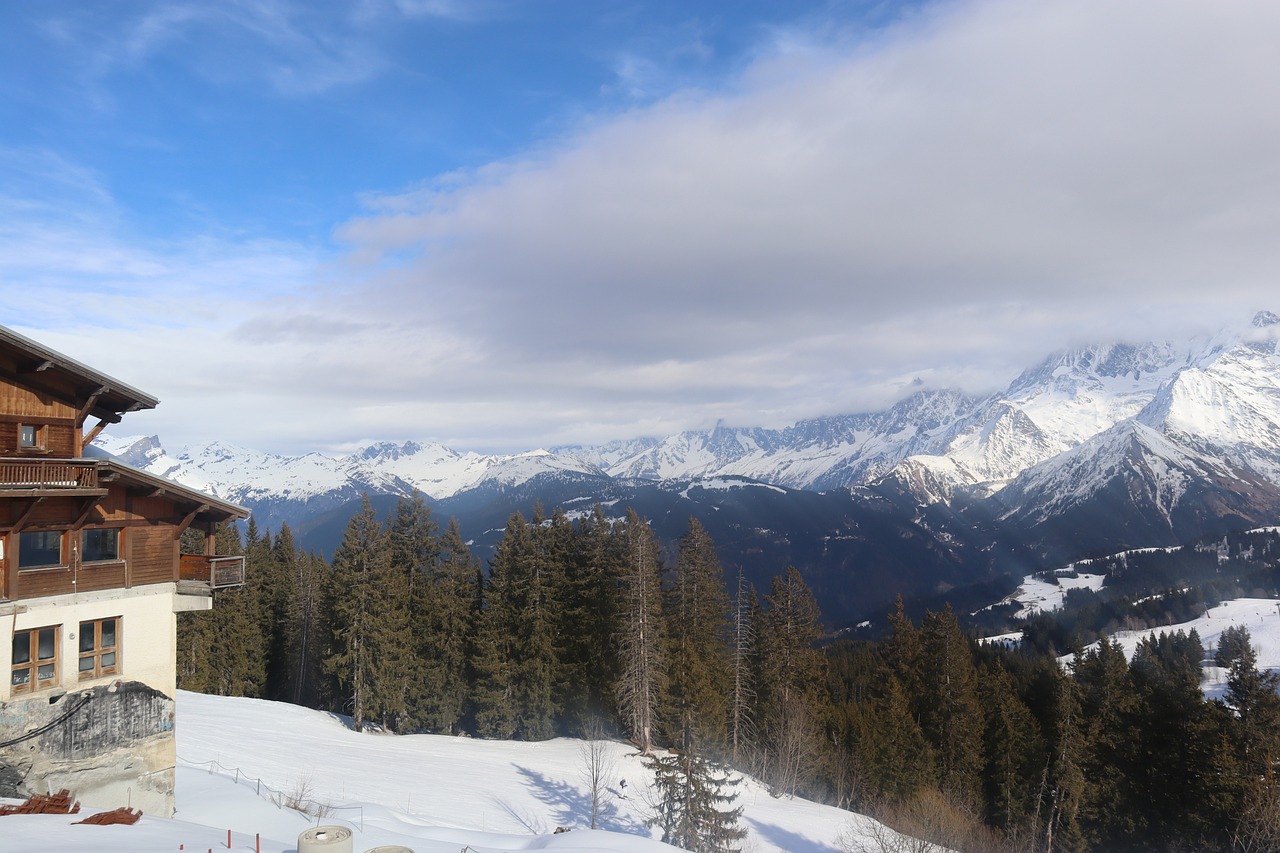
x=504 y=225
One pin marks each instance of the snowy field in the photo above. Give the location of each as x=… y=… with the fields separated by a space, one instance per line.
x=1036 y=596
x=1260 y=615
x=431 y=794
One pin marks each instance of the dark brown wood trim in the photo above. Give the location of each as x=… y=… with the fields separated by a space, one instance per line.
x=186 y=521
x=93 y=433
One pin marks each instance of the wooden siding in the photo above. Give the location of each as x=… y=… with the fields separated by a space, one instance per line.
x=21 y=402
x=95 y=576
x=153 y=555
x=34 y=583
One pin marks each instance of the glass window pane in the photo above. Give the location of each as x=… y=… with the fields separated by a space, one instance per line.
x=46 y=644
x=86 y=664
x=88 y=636
x=108 y=660
x=22 y=648
x=108 y=633
x=44 y=672
x=21 y=676
x=28 y=436
x=100 y=545
x=43 y=548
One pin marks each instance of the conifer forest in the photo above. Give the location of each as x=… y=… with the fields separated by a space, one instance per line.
x=588 y=627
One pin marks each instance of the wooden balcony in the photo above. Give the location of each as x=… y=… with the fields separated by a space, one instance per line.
x=212 y=572
x=48 y=476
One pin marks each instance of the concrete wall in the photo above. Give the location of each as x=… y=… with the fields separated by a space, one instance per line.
x=110 y=740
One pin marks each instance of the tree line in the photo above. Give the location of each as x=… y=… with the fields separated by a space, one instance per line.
x=588 y=625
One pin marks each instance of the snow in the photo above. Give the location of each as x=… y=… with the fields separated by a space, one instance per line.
x=1036 y=595
x=429 y=793
x=1260 y=615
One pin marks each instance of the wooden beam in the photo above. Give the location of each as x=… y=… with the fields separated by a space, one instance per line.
x=21 y=521
x=186 y=522
x=89 y=505
x=89 y=404
x=93 y=433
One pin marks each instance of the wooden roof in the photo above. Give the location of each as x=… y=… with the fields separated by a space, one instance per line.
x=207 y=506
x=49 y=371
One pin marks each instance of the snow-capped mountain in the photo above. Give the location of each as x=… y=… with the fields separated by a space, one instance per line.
x=1203 y=453
x=1109 y=445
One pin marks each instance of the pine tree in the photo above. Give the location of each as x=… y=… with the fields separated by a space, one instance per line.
x=640 y=639
x=1253 y=697
x=309 y=635
x=694 y=797
x=949 y=708
x=697 y=618
x=587 y=621
x=743 y=697
x=370 y=642
x=413 y=547
x=897 y=759
x=445 y=638
x=279 y=577
x=1014 y=751
x=791 y=674
x=499 y=690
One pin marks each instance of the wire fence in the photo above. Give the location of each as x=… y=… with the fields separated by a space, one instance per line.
x=299 y=798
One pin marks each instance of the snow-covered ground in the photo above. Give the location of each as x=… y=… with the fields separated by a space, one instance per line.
x=1260 y=615
x=1036 y=596
x=431 y=794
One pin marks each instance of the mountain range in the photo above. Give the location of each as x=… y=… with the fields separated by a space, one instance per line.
x=1093 y=450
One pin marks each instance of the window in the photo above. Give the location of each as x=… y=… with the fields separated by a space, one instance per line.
x=41 y=548
x=100 y=545
x=100 y=647
x=35 y=659
x=31 y=437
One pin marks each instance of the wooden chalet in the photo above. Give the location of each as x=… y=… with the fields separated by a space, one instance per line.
x=91 y=579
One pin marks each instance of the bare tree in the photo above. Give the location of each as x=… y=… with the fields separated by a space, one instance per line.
x=744 y=696
x=598 y=766
x=640 y=641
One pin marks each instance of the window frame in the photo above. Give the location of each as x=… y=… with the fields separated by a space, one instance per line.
x=84 y=549
x=24 y=566
x=39 y=437
x=34 y=662
x=97 y=650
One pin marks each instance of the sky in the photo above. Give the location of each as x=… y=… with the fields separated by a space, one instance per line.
x=505 y=225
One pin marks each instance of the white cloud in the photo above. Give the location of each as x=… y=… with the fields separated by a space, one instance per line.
x=948 y=200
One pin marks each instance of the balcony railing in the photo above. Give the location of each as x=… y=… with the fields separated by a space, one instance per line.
x=216 y=572
x=48 y=474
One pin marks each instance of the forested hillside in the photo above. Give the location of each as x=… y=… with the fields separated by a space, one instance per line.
x=587 y=627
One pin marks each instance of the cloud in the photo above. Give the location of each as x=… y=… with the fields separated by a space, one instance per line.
x=985 y=181
x=945 y=199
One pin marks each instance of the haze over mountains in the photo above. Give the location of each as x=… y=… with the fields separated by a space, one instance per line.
x=1107 y=446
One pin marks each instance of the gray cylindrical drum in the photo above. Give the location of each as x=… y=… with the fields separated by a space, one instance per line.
x=325 y=839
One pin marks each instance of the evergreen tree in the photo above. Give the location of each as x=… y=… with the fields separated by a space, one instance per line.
x=1253 y=696
x=1014 y=750
x=640 y=639
x=497 y=698
x=279 y=575
x=414 y=546
x=694 y=797
x=587 y=620
x=366 y=607
x=949 y=709
x=897 y=761
x=697 y=611
x=743 y=696
x=446 y=635
x=791 y=676
x=308 y=632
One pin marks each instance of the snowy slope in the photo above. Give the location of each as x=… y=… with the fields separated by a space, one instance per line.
x=431 y=794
